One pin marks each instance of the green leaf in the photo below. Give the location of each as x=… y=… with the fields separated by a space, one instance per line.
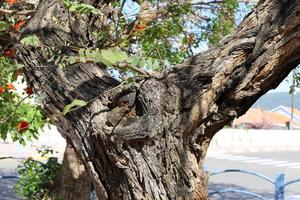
x=155 y=65
x=75 y=6
x=4 y=25
x=57 y=60
x=77 y=103
x=135 y=60
x=31 y=40
x=142 y=62
x=72 y=59
x=82 y=53
x=108 y=57
x=119 y=55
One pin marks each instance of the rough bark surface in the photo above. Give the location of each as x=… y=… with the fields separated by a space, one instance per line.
x=150 y=141
x=72 y=182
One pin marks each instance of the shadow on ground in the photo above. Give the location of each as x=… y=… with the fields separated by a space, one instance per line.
x=7 y=192
x=8 y=168
x=212 y=187
x=7 y=189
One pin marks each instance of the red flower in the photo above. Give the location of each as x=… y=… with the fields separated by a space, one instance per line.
x=9 y=53
x=10 y=2
x=2 y=90
x=19 y=24
x=10 y=86
x=140 y=27
x=28 y=90
x=22 y=126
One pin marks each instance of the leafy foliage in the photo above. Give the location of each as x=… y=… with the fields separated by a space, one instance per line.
x=108 y=57
x=223 y=22
x=158 y=39
x=130 y=40
x=74 y=105
x=20 y=118
x=36 y=176
x=31 y=40
x=14 y=107
x=4 y=25
x=295 y=81
x=75 y=6
x=112 y=57
x=157 y=35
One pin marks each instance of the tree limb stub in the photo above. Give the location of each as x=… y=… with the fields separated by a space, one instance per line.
x=147 y=142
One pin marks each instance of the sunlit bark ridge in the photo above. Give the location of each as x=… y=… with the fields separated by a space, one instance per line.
x=149 y=141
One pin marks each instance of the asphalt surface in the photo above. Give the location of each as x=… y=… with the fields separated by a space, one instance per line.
x=267 y=164
x=8 y=167
x=7 y=189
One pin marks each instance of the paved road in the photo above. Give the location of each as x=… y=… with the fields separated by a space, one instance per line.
x=8 y=167
x=267 y=164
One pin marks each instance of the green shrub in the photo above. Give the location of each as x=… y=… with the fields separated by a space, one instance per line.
x=36 y=176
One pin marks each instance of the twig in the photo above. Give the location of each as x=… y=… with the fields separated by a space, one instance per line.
x=3 y=120
x=17 y=12
x=133 y=68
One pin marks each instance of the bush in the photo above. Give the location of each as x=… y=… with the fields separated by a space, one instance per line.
x=35 y=177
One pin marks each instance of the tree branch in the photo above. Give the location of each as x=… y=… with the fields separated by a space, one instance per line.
x=245 y=65
x=17 y=12
x=208 y=90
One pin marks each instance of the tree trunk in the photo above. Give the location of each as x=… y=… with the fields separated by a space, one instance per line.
x=150 y=141
x=72 y=182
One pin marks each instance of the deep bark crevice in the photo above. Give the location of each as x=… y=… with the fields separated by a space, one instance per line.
x=150 y=141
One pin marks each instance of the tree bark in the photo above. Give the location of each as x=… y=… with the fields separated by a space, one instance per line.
x=72 y=182
x=150 y=141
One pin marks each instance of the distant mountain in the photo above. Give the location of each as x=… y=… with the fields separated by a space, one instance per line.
x=272 y=100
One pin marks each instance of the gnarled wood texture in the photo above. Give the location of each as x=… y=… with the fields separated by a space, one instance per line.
x=149 y=141
x=73 y=182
